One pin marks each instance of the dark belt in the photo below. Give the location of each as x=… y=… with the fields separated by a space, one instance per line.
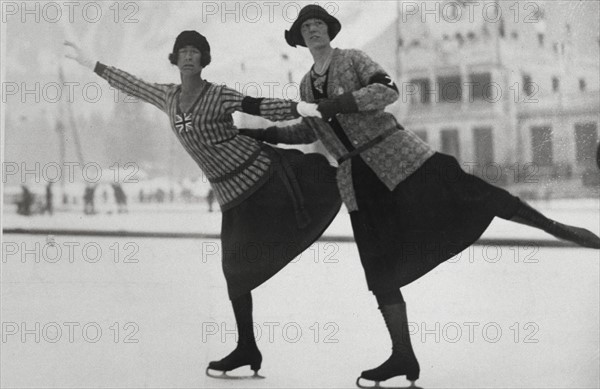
x=368 y=145
x=237 y=170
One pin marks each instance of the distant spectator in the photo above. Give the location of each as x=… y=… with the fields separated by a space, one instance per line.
x=49 y=198
x=88 y=200
x=24 y=205
x=210 y=199
x=160 y=195
x=120 y=198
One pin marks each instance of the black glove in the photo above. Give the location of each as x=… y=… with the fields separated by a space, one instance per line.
x=341 y=104
x=268 y=134
x=329 y=108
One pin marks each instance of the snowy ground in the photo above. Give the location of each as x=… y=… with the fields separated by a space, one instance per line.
x=496 y=317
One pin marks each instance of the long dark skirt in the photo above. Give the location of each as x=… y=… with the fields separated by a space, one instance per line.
x=434 y=214
x=279 y=221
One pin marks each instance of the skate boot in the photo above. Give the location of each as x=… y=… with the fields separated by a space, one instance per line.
x=243 y=355
x=529 y=216
x=403 y=361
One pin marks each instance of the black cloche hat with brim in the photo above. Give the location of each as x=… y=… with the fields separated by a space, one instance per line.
x=294 y=37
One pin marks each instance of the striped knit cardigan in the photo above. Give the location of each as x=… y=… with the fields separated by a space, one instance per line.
x=235 y=165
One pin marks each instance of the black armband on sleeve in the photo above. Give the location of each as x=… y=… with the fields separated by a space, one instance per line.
x=99 y=68
x=251 y=105
x=384 y=79
x=269 y=134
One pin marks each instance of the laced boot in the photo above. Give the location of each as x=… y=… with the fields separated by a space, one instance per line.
x=403 y=360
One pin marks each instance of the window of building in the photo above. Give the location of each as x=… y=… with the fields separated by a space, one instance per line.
x=423 y=90
x=586 y=139
x=582 y=85
x=450 y=144
x=449 y=89
x=527 y=85
x=484 y=146
x=541 y=145
x=479 y=84
x=555 y=84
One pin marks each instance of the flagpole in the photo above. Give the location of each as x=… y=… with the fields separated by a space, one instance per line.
x=72 y=123
x=397 y=41
x=497 y=35
x=60 y=131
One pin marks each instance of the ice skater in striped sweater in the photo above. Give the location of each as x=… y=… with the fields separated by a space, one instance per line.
x=279 y=201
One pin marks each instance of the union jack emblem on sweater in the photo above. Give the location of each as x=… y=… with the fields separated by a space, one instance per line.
x=183 y=123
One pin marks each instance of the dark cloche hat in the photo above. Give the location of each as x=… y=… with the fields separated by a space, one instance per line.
x=294 y=37
x=191 y=38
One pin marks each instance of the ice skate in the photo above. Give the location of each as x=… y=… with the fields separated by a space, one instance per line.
x=240 y=357
x=403 y=361
x=396 y=365
x=530 y=216
x=378 y=385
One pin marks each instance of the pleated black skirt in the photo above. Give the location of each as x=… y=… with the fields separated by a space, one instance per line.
x=434 y=214
x=288 y=213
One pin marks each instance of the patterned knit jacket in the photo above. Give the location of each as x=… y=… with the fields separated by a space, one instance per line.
x=354 y=75
x=235 y=166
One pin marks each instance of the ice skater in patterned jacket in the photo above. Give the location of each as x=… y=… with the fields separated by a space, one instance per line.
x=411 y=208
x=278 y=201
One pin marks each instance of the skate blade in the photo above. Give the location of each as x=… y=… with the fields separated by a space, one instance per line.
x=378 y=385
x=225 y=376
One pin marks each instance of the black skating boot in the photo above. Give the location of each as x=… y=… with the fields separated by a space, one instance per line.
x=527 y=215
x=246 y=352
x=403 y=360
x=243 y=355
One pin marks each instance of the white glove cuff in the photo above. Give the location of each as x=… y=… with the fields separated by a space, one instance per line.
x=307 y=109
x=88 y=63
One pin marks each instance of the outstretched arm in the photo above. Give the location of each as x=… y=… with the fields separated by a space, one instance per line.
x=155 y=94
